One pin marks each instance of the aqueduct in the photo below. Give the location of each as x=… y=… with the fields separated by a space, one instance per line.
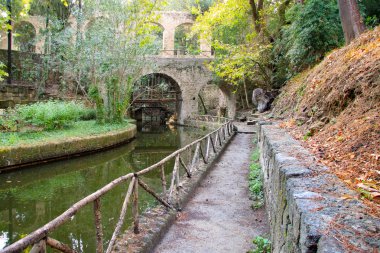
x=188 y=72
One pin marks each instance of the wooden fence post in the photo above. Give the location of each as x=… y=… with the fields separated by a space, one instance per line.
x=208 y=148
x=135 y=208
x=98 y=226
x=195 y=158
x=122 y=215
x=39 y=247
x=163 y=179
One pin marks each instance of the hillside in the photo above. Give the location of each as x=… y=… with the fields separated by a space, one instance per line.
x=334 y=109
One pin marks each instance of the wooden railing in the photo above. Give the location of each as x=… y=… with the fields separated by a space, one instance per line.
x=209 y=118
x=198 y=151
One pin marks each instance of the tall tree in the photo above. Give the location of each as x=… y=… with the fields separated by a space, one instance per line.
x=351 y=19
x=256 y=13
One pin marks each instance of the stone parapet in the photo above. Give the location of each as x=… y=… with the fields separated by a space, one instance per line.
x=310 y=209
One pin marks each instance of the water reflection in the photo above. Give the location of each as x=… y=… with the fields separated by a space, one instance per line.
x=33 y=196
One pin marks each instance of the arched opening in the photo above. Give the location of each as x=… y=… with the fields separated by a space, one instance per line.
x=184 y=42
x=157 y=34
x=156 y=99
x=209 y=99
x=24 y=37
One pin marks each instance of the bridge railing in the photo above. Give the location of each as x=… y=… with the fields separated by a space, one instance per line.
x=185 y=53
x=210 y=118
x=196 y=152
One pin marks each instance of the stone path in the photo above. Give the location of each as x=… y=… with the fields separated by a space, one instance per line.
x=219 y=218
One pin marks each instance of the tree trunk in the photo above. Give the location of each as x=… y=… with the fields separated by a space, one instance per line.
x=246 y=93
x=256 y=8
x=9 y=53
x=352 y=22
x=203 y=104
x=357 y=21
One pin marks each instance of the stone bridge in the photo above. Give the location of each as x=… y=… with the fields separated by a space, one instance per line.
x=188 y=71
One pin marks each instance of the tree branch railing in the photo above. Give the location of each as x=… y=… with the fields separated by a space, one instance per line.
x=210 y=118
x=197 y=152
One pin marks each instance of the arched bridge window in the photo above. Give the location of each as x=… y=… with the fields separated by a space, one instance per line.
x=156 y=97
x=184 y=42
x=24 y=37
x=157 y=33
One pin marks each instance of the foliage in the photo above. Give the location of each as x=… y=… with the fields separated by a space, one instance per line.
x=314 y=30
x=370 y=11
x=263 y=245
x=256 y=181
x=51 y=114
x=104 y=58
x=186 y=42
x=4 y=26
x=46 y=115
x=292 y=36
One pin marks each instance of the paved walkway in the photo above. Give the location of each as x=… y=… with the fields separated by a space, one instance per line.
x=219 y=218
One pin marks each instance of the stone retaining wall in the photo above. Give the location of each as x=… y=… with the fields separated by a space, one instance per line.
x=10 y=95
x=20 y=155
x=309 y=209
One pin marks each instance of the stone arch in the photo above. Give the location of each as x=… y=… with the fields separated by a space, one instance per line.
x=209 y=97
x=24 y=36
x=38 y=24
x=226 y=99
x=159 y=92
x=159 y=35
x=184 y=45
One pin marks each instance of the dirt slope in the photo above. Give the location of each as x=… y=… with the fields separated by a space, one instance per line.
x=335 y=109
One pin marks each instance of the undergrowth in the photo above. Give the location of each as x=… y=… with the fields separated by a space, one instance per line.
x=48 y=115
x=262 y=244
x=255 y=180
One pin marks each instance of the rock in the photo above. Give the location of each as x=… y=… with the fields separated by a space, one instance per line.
x=242 y=119
x=263 y=99
x=316 y=126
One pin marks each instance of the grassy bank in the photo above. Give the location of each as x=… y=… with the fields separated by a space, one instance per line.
x=78 y=129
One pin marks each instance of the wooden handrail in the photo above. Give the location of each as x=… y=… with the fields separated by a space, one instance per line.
x=39 y=238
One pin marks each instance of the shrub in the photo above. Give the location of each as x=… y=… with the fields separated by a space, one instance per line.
x=263 y=245
x=313 y=30
x=51 y=114
x=88 y=114
x=255 y=181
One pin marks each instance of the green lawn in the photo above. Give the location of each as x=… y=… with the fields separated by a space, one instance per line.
x=78 y=129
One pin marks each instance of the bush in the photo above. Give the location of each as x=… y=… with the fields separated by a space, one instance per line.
x=263 y=245
x=51 y=114
x=255 y=181
x=88 y=114
x=313 y=30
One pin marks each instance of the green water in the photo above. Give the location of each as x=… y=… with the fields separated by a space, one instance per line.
x=33 y=196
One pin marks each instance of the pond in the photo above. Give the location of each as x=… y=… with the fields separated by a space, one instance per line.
x=31 y=197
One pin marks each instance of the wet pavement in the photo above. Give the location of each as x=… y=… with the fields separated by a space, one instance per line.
x=219 y=217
